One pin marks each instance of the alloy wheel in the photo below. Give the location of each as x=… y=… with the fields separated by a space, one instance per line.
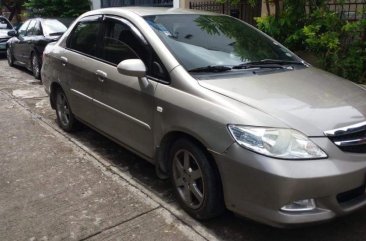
x=9 y=57
x=63 y=110
x=35 y=66
x=188 y=179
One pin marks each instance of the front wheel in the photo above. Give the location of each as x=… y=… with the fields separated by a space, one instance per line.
x=36 y=66
x=9 y=56
x=195 y=181
x=65 y=118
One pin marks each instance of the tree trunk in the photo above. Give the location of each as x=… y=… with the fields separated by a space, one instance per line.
x=268 y=8
x=10 y=9
x=277 y=8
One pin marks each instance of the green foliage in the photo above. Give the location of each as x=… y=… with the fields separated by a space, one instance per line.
x=339 y=45
x=352 y=58
x=322 y=33
x=58 y=8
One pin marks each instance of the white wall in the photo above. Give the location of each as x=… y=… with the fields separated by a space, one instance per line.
x=176 y=3
x=95 y=4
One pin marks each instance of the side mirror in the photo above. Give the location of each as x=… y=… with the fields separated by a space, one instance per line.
x=12 y=33
x=132 y=67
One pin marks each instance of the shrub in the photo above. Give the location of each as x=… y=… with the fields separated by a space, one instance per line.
x=339 y=45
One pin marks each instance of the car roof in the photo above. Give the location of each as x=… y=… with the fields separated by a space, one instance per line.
x=145 y=11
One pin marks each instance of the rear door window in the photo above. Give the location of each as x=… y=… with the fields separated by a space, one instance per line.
x=53 y=27
x=32 y=28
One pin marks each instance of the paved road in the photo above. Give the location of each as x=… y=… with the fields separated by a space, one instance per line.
x=18 y=87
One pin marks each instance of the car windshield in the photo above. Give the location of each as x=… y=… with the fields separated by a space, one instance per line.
x=4 y=24
x=53 y=27
x=201 y=41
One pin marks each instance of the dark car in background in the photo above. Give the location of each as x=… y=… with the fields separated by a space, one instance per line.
x=26 y=46
x=5 y=27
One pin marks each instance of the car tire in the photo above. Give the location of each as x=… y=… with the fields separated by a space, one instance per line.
x=36 y=66
x=195 y=180
x=65 y=118
x=10 y=57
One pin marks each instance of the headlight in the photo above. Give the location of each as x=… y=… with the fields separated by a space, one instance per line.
x=276 y=142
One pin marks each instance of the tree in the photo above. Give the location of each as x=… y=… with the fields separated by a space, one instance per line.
x=13 y=6
x=58 y=8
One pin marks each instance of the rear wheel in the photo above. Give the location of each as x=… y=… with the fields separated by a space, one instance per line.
x=9 y=56
x=65 y=118
x=195 y=180
x=36 y=66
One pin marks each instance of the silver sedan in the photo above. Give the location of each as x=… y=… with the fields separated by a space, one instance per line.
x=231 y=116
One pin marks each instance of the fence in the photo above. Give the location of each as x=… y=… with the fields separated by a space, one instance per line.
x=242 y=10
x=351 y=10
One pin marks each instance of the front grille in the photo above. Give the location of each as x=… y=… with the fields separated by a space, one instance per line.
x=351 y=194
x=350 y=138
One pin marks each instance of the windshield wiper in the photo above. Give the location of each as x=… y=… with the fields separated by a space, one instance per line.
x=268 y=63
x=214 y=69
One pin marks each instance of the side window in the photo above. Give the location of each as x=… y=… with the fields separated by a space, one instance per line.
x=23 y=29
x=31 y=28
x=84 y=38
x=120 y=43
x=157 y=69
x=37 y=29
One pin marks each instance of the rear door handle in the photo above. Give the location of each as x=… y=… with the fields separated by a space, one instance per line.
x=101 y=75
x=64 y=61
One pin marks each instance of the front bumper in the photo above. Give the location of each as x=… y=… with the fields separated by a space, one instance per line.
x=257 y=187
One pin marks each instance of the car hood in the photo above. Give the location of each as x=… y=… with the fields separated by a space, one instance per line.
x=309 y=100
x=4 y=33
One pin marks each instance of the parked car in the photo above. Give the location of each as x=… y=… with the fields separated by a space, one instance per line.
x=26 y=46
x=5 y=27
x=234 y=118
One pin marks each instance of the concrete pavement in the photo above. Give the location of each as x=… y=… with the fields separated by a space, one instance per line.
x=52 y=190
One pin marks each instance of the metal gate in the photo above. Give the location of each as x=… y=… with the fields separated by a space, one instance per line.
x=242 y=10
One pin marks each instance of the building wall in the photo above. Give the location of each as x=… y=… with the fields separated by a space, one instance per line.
x=95 y=4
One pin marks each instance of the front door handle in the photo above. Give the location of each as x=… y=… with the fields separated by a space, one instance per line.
x=101 y=75
x=64 y=61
